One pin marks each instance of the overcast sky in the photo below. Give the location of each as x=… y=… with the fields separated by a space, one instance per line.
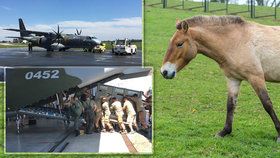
x=105 y=19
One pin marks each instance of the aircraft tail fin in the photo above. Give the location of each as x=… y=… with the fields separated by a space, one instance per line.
x=22 y=28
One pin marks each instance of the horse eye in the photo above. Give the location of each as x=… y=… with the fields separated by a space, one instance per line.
x=180 y=45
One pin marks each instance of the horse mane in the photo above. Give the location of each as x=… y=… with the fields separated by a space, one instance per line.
x=212 y=20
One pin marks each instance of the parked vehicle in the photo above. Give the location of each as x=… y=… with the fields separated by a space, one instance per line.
x=124 y=47
x=100 y=48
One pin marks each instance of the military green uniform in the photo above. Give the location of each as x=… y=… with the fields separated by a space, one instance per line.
x=140 y=110
x=89 y=106
x=76 y=111
x=138 y=103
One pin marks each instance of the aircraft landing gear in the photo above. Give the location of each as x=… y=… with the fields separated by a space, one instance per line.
x=88 y=50
x=62 y=49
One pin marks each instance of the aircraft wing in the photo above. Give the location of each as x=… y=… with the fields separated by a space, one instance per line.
x=13 y=37
x=37 y=33
x=29 y=86
x=135 y=72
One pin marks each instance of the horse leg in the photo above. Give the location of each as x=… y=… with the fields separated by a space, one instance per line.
x=258 y=84
x=233 y=90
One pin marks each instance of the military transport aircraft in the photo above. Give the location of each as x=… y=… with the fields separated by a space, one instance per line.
x=55 y=40
x=42 y=92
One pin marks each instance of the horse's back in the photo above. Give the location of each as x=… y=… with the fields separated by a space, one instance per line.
x=266 y=45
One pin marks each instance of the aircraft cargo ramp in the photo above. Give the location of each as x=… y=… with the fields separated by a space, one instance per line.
x=50 y=135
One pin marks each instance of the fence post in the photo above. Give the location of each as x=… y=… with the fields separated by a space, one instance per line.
x=164 y=3
x=275 y=10
x=226 y=6
x=252 y=8
x=205 y=5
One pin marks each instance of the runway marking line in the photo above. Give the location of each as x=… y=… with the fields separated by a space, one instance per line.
x=129 y=144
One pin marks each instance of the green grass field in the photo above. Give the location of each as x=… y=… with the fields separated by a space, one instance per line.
x=2 y=117
x=191 y=108
x=14 y=45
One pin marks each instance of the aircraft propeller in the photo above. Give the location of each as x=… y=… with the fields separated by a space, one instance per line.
x=78 y=32
x=58 y=37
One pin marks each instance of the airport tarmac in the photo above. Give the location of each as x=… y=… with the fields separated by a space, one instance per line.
x=51 y=136
x=71 y=57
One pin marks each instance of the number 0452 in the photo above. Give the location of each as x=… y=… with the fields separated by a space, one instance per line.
x=48 y=74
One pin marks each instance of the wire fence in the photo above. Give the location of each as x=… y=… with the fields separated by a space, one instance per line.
x=250 y=8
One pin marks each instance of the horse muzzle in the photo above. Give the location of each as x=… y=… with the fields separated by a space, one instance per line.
x=168 y=70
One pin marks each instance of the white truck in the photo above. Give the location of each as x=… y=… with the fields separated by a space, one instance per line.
x=123 y=47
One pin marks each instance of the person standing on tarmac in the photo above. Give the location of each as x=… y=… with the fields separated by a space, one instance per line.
x=30 y=46
x=140 y=110
x=117 y=107
x=76 y=109
x=131 y=114
x=106 y=115
x=89 y=108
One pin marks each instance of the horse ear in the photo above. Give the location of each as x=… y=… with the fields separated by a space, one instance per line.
x=185 y=26
x=178 y=24
x=177 y=21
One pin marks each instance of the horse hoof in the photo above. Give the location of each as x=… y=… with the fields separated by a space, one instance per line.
x=222 y=134
x=218 y=135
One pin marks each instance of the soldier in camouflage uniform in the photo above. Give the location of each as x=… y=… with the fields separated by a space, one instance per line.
x=76 y=109
x=98 y=116
x=89 y=108
x=140 y=110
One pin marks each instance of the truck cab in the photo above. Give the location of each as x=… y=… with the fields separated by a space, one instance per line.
x=124 y=47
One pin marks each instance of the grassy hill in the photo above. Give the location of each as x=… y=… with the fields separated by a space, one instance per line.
x=1 y=118
x=12 y=45
x=191 y=108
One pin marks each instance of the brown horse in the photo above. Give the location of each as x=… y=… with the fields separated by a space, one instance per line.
x=244 y=51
